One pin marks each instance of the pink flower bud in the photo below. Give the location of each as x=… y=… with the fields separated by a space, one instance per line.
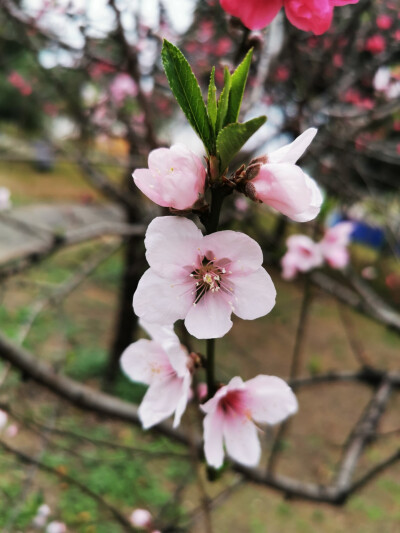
x=175 y=177
x=281 y=184
x=141 y=518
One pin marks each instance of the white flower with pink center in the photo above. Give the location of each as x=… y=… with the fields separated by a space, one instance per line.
x=303 y=255
x=163 y=364
x=283 y=185
x=334 y=244
x=235 y=410
x=175 y=177
x=201 y=279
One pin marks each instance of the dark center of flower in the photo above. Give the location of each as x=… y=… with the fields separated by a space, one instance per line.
x=210 y=276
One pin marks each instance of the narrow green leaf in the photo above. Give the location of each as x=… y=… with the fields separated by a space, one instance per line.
x=231 y=139
x=238 y=84
x=212 y=100
x=223 y=100
x=187 y=92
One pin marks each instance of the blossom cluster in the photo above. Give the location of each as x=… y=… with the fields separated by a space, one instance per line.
x=203 y=280
x=303 y=254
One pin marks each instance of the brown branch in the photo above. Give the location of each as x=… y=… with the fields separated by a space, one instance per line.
x=363 y=431
x=56 y=242
x=364 y=300
x=89 y=399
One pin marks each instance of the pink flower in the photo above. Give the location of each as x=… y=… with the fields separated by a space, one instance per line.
x=121 y=87
x=175 y=177
x=141 y=518
x=56 y=527
x=307 y=15
x=281 y=184
x=163 y=364
x=303 y=255
x=334 y=244
x=234 y=411
x=201 y=279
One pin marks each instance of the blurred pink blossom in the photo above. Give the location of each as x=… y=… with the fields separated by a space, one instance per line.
x=122 y=87
x=234 y=411
x=334 y=244
x=303 y=254
x=141 y=518
x=202 y=391
x=201 y=279
x=163 y=364
x=281 y=184
x=375 y=44
x=12 y=431
x=56 y=527
x=241 y=204
x=384 y=22
x=175 y=177
x=20 y=83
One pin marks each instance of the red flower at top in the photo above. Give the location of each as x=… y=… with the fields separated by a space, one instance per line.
x=307 y=15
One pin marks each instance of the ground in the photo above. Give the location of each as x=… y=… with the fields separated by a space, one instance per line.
x=76 y=338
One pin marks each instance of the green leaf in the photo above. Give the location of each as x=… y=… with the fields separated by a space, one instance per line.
x=223 y=100
x=231 y=139
x=238 y=84
x=212 y=100
x=187 y=92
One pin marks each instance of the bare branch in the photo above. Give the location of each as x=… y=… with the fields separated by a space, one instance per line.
x=362 y=432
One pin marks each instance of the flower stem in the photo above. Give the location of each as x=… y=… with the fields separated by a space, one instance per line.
x=211 y=225
x=211 y=388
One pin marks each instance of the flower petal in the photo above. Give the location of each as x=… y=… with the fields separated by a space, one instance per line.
x=141 y=360
x=171 y=245
x=210 y=318
x=184 y=398
x=160 y=400
x=241 y=440
x=254 y=15
x=271 y=399
x=244 y=252
x=157 y=300
x=290 y=153
x=254 y=294
x=213 y=444
x=288 y=189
